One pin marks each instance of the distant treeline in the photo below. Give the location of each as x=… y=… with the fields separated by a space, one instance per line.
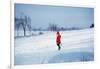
x=24 y=23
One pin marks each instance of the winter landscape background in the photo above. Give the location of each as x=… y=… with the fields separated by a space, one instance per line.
x=35 y=34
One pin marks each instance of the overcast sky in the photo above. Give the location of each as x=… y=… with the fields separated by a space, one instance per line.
x=42 y=15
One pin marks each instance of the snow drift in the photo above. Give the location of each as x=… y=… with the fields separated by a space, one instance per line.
x=76 y=46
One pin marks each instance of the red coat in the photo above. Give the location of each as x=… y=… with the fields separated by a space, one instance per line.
x=58 y=38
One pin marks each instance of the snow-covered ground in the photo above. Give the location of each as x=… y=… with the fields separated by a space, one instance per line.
x=77 y=45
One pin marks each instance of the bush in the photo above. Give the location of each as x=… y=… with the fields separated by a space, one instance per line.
x=92 y=26
x=40 y=33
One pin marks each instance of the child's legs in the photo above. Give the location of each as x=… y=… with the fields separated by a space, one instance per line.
x=58 y=46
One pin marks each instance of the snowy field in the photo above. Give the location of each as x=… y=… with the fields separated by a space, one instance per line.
x=77 y=45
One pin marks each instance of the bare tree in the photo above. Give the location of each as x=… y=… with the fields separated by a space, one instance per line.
x=23 y=21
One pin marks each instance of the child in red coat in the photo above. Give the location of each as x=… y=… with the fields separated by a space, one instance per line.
x=58 y=40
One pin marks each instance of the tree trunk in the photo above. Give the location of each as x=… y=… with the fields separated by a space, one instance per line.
x=24 y=31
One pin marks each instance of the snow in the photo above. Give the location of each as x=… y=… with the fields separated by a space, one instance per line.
x=76 y=45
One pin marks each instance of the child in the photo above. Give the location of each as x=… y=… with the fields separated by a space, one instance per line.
x=58 y=40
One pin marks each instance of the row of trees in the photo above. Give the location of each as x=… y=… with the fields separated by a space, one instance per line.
x=55 y=27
